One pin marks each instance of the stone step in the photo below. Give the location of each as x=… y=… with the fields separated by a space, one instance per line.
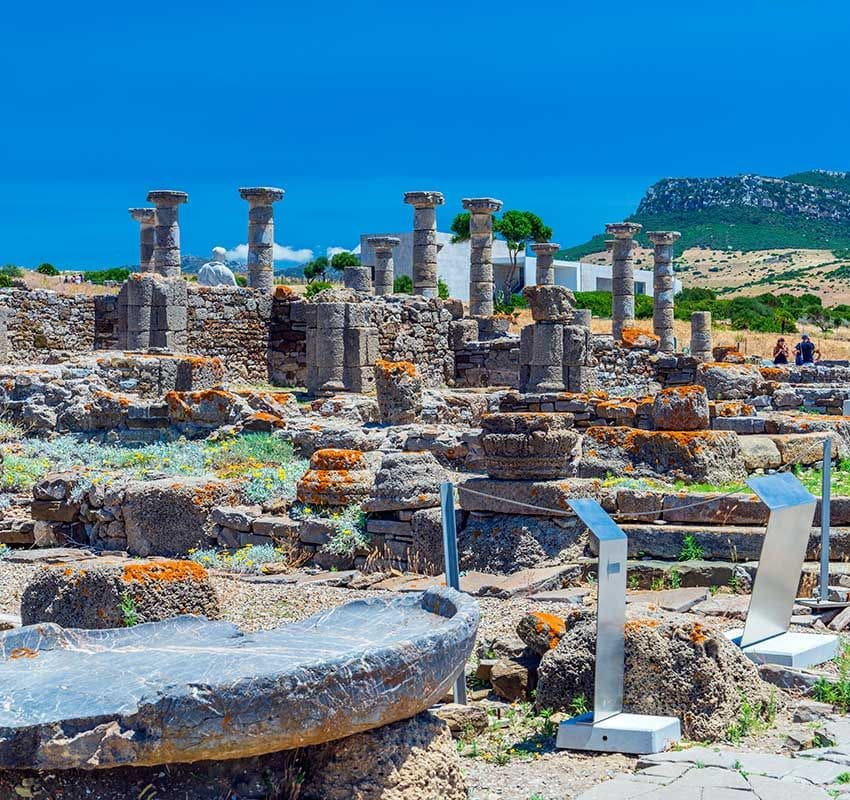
x=728 y=542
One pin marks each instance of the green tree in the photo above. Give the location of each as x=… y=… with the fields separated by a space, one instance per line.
x=518 y=229
x=47 y=269
x=403 y=284
x=340 y=261
x=12 y=271
x=316 y=269
x=460 y=227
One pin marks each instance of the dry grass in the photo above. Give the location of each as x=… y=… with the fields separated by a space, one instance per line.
x=36 y=280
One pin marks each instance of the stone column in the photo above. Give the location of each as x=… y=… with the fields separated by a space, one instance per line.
x=424 y=240
x=357 y=278
x=166 y=253
x=622 y=276
x=701 y=335
x=383 y=247
x=662 y=288
x=545 y=252
x=261 y=235
x=146 y=217
x=481 y=285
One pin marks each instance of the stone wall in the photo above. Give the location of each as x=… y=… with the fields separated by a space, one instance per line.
x=287 y=340
x=234 y=324
x=38 y=323
x=488 y=363
x=622 y=370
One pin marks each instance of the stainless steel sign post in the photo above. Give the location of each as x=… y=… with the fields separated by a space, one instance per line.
x=607 y=728
x=765 y=638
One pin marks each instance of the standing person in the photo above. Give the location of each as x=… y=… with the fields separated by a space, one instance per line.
x=804 y=350
x=780 y=351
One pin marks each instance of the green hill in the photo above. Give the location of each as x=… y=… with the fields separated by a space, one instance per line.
x=808 y=210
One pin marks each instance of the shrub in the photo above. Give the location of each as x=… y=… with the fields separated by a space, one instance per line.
x=241 y=280
x=403 y=284
x=47 y=269
x=101 y=276
x=502 y=306
x=11 y=271
x=315 y=287
x=442 y=289
x=339 y=261
x=5 y=281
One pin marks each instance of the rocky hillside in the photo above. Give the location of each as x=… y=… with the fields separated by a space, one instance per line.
x=809 y=210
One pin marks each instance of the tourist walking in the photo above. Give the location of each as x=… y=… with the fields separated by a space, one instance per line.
x=780 y=351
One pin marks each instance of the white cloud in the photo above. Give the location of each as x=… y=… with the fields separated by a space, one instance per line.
x=282 y=252
x=332 y=251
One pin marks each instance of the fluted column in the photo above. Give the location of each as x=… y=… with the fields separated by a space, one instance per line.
x=622 y=276
x=662 y=288
x=545 y=252
x=261 y=235
x=384 y=269
x=166 y=253
x=146 y=217
x=481 y=284
x=424 y=240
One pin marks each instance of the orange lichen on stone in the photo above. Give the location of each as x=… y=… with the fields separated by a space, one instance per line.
x=282 y=292
x=332 y=458
x=23 y=652
x=634 y=625
x=635 y=337
x=398 y=368
x=697 y=634
x=166 y=570
x=772 y=373
x=120 y=399
x=553 y=626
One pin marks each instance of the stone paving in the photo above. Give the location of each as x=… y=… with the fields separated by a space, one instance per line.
x=711 y=773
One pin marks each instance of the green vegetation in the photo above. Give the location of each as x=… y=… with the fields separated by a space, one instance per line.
x=47 y=269
x=836 y=692
x=314 y=287
x=403 y=284
x=116 y=274
x=247 y=559
x=502 y=306
x=515 y=733
x=578 y=706
x=5 y=281
x=600 y=304
x=129 y=613
x=349 y=525
x=844 y=777
x=316 y=269
x=4 y=551
x=733 y=228
x=442 y=289
x=752 y=718
x=839 y=181
x=11 y=271
x=691 y=549
x=241 y=280
x=339 y=261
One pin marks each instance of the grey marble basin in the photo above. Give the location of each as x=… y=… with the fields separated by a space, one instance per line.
x=189 y=689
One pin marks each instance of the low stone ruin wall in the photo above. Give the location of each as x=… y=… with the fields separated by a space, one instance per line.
x=488 y=363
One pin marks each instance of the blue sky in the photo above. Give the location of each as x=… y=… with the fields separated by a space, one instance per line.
x=568 y=109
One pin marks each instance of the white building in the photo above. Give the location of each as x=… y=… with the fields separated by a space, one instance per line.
x=453 y=267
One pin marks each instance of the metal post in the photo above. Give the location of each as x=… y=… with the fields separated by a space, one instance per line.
x=825 y=518
x=452 y=568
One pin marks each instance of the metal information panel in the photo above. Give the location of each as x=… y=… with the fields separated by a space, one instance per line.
x=610 y=608
x=792 y=509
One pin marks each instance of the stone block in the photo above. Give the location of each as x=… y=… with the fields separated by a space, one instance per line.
x=361 y=346
x=681 y=409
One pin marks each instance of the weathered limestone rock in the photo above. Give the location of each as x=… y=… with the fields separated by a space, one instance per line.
x=188 y=689
x=513 y=679
x=663 y=289
x=398 y=386
x=384 y=269
x=683 y=408
x=730 y=381
x=622 y=276
x=635 y=338
x=550 y=303
x=527 y=445
x=701 y=335
x=462 y=719
x=759 y=452
x=691 y=456
x=166 y=254
x=525 y=496
x=414 y=759
x=545 y=252
x=92 y=597
x=424 y=240
x=146 y=217
x=336 y=478
x=727 y=354
x=169 y=517
x=261 y=235
x=406 y=481
x=508 y=543
x=675 y=666
x=357 y=279
x=481 y=285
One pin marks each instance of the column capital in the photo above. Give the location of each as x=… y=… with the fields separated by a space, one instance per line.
x=167 y=197
x=424 y=199
x=145 y=216
x=623 y=230
x=545 y=248
x=261 y=195
x=663 y=237
x=383 y=242
x=482 y=205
